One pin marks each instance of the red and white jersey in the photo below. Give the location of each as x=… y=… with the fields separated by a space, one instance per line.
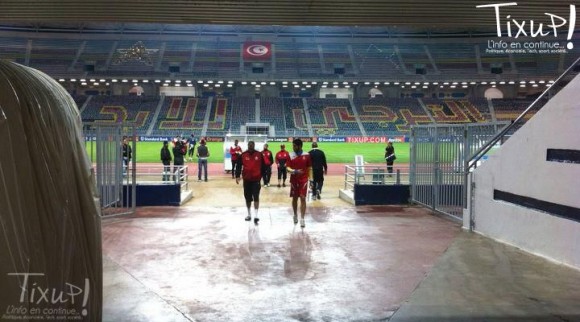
x=299 y=162
x=235 y=152
x=267 y=157
x=282 y=158
x=252 y=164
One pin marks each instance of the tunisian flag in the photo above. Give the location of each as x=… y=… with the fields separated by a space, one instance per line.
x=257 y=50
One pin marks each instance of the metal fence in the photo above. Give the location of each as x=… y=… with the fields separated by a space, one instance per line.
x=372 y=174
x=159 y=174
x=116 y=182
x=439 y=156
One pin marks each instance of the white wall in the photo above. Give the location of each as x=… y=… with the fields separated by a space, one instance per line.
x=520 y=167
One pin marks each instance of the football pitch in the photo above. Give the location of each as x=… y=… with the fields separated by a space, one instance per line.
x=336 y=152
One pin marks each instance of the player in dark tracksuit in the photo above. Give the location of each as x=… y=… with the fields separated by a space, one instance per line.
x=250 y=165
x=127 y=154
x=166 y=160
x=390 y=157
x=319 y=169
x=179 y=150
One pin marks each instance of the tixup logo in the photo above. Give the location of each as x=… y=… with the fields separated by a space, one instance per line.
x=40 y=302
x=514 y=28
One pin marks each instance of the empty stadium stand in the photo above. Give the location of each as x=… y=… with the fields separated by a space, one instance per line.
x=326 y=117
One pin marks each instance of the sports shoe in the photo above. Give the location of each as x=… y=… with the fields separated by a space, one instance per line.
x=302 y=223
x=318 y=194
x=295 y=219
x=248 y=218
x=256 y=220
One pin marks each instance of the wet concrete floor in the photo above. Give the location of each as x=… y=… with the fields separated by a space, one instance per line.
x=203 y=262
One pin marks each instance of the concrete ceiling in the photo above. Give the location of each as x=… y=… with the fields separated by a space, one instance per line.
x=420 y=14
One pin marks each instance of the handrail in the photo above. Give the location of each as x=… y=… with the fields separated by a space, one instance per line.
x=486 y=147
x=359 y=175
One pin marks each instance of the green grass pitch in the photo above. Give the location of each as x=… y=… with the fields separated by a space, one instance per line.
x=336 y=152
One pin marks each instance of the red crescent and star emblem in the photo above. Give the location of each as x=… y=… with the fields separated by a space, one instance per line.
x=257 y=50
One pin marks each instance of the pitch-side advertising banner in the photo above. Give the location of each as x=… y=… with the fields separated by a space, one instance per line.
x=374 y=139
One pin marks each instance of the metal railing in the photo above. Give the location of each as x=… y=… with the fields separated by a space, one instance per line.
x=472 y=162
x=157 y=174
x=374 y=174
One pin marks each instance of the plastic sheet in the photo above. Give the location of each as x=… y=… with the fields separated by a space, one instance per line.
x=50 y=237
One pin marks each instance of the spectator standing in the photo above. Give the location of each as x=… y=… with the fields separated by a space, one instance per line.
x=268 y=161
x=192 y=142
x=178 y=155
x=250 y=165
x=166 y=160
x=202 y=156
x=127 y=154
x=319 y=169
x=235 y=152
x=390 y=157
x=282 y=158
x=299 y=166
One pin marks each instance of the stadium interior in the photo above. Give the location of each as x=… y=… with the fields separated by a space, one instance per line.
x=355 y=81
x=321 y=69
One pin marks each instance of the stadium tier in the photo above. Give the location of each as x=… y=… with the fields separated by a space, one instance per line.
x=295 y=117
x=243 y=111
x=380 y=115
x=217 y=116
x=272 y=112
x=121 y=109
x=332 y=116
x=510 y=109
x=180 y=116
x=372 y=57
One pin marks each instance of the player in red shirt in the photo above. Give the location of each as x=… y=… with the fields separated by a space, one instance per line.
x=268 y=160
x=300 y=168
x=250 y=165
x=235 y=152
x=282 y=158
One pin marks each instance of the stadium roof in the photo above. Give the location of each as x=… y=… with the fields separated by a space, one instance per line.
x=424 y=15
